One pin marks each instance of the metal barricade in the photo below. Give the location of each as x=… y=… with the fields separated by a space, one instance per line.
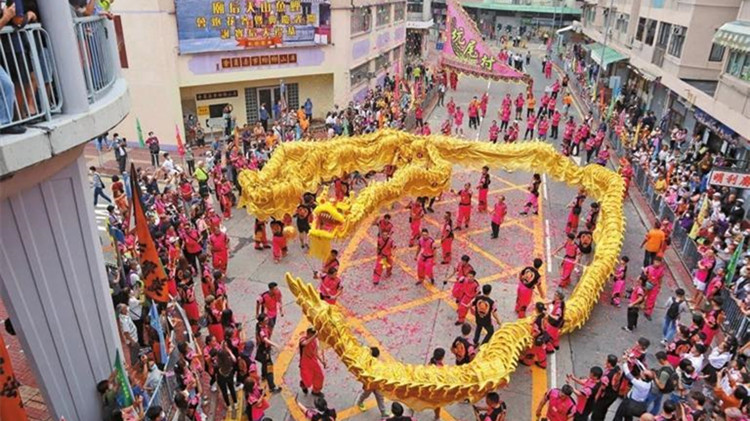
x=163 y=394
x=736 y=322
x=29 y=83
x=99 y=65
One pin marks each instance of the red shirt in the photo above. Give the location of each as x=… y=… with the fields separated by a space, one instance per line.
x=385 y=247
x=329 y=285
x=426 y=247
x=465 y=197
x=270 y=302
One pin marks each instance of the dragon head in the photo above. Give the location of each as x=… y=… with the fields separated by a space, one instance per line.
x=329 y=218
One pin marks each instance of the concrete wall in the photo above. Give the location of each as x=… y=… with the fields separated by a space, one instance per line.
x=735 y=93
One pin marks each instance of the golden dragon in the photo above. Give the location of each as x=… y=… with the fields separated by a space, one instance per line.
x=424 y=167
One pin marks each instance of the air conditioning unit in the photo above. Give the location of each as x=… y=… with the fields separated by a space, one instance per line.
x=678 y=31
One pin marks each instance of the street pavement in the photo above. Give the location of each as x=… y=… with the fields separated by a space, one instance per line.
x=406 y=321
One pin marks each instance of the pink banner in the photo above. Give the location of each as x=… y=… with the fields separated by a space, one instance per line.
x=465 y=52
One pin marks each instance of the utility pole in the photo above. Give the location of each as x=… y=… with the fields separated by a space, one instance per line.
x=607 y=23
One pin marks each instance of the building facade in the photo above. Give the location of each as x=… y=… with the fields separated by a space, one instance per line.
x=53 y=283
x=331 y=51
x=667 y=52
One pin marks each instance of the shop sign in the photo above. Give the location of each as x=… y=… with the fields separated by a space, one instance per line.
x=216 y=95
x=203 y=110
x=721 y=130
x=737 y=180
x=230 y=25
x=255 y=61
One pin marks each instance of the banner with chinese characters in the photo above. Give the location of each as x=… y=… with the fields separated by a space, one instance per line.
x=153 y=274
x=738 y=180
x=465 y=52
x=230 y=25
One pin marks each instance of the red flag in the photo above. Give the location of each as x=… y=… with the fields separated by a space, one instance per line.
x=180 y=146
x=11 y=407
x=154 y=277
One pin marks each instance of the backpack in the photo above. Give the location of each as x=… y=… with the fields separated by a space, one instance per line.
x=674 y=309
x=672 y=380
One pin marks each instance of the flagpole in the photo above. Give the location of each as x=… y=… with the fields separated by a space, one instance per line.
x=604 y=48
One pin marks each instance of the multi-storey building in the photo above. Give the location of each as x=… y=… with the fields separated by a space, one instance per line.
x=672 y=53
x=734 y=81
x=205 y=55
x=68 y=90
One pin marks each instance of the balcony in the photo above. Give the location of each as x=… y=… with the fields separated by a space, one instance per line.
x=32 y=96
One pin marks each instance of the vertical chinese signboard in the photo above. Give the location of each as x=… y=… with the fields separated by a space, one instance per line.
x=230 y=25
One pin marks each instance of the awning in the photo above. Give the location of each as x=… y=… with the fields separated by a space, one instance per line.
x=610 y=55
x=576 y=26
x=419 y=24
x=644 y=73
x=734 y=35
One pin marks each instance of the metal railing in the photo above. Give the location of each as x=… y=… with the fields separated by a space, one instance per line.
x=685 y=246
x=97 y=60
x=163 y=393
x=29 y=83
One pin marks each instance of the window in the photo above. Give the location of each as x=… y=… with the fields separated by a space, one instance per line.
x=678 y=38
x=361 y=20
x=664 y=31
x=738 y=65
x=622 y=23
x=717 y=53
x=396 y=54
x=216 y=110
x=415 y=6
x=381 y=62
x=641 y=29
x=383 y=14
x=359 y=74
x=399 y=12
x=651 y=32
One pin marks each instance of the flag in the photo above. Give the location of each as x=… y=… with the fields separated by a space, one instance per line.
x=140 y=133
x=732 y=266
x=699 y=218
x=180 y=146
x=124 y=392
x=237 y=138
x=154 y=277
x=466 y=52
x=153 y=315
x=11 y=407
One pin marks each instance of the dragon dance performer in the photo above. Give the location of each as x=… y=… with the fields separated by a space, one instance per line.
x=483 y=187
x=425 y=257
x=569 y=261
x=416 y=213
x=311 y=363
x=532 y=201
x=469 y=291
x=331 y=262
x=498 y=216
x=537 y=353
x=330 y=287
x=384 y=257
x=464 y=207
x=528 y=280
x=446 y=238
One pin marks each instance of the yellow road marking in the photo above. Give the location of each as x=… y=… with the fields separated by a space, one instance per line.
x=539 y=375
x=472 y=246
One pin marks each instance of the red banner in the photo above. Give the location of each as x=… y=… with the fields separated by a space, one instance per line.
x=11 y=407
x=153 y=275
x=465 y=51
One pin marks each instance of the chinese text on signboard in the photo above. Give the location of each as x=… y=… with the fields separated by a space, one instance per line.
x=730 y=179
x=225 y=25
